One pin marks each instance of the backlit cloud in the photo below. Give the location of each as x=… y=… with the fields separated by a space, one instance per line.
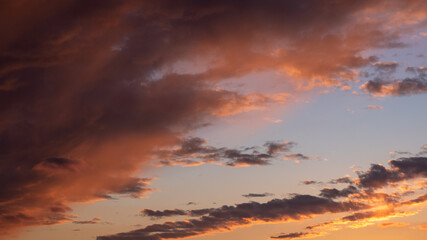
x=86 y=94
x=363 y=208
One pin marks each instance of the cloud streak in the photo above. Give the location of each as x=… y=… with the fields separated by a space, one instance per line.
x=194 y=151
x=228 y=217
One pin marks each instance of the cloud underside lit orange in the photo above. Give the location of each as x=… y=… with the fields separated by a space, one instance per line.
x=376 y=197
x=87 y=107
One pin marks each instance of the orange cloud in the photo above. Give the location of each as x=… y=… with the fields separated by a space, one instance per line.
x=422 y=227
x=374 y=107
x=392 y=224
x=82 y=108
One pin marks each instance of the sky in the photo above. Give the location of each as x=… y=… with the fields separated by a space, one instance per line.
x=212 y=120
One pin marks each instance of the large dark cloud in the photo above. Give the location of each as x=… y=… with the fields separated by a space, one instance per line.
x=85 y=93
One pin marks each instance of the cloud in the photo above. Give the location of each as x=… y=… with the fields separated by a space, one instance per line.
x=392 y=224
x=93 y=221
x=346 y=179
x=257 y=195
x=164 y=213
x=228 y=217
x=422 y=227
x=297 y=235
x=86 y=95
x=364 y=205
x=407 y=86
x=385 y=67
x=310 y=182
x=335 y=193
x=193 y=151
x=374 y=107
x=404 y=168
x=297 y=157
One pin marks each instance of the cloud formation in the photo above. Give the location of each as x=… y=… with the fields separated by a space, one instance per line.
x=335 y=193
x=86 y=93
x=381 y=86
x=257 y=195
x=296 y=235
x=360 y=204
x=93 y=221
x=194 y=151
x=404 y=168
x=228 y=217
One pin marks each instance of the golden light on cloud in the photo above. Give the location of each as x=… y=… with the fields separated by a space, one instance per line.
x=103 y=102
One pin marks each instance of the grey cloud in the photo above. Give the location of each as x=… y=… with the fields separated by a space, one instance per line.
x=404 y=168
x=225 y=217
x=257 y=195
x=310 y=182
x=164 y=213
x=335 y=193
x=295 y=235
x=407 y=86
x=341 y=180
x=194 y=151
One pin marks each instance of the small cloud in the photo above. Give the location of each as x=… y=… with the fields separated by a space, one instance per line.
x=324 y=92
x=392 y=224
x=392 y=153
x=374 y=107
x=310 y=182
x=422 y=227
x=346 y=88
x=273 y=120
x=257 y=195
x=93 y=221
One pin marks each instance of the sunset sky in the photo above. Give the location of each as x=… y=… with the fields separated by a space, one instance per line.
x=213 y=120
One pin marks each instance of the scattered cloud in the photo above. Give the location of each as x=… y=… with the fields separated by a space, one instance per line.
x=164 y=213
x=87 y=98
x=227 y=217
x=363 y=203
x=93 y=221
x=422 y=227
x=194 y=151
x=257 y=195
x=335 y=193
x=392 y=224
x=405 y=168
x=297 y=235
x=381 y=86
x=310 y=182
x=374 y=107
